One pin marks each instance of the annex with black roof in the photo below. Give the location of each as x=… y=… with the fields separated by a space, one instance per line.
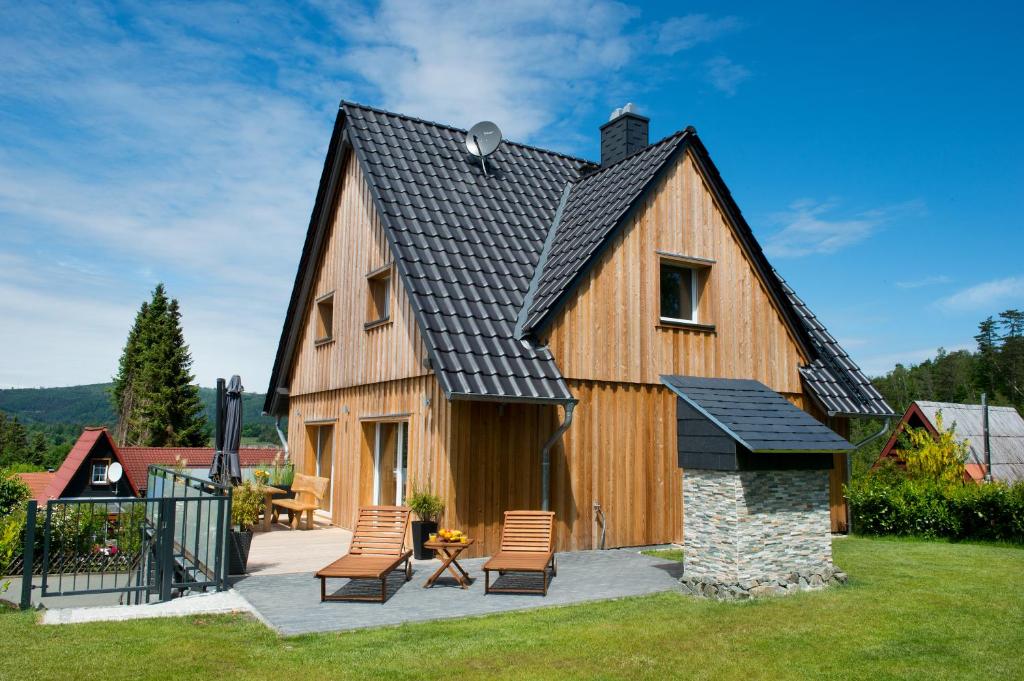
x=473 y=277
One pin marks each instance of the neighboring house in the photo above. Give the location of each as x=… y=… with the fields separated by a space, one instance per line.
x=455 y=328
x=1006 y=436
x=84 y=470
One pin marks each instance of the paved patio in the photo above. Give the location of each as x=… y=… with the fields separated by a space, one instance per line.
x=290 y=603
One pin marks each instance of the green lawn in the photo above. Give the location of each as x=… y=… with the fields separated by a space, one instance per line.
x=913 y=609
x=675 y=555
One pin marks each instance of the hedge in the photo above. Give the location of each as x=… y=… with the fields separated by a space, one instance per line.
x=992 y=511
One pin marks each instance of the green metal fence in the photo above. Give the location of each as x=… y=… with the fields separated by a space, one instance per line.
x=173 y=541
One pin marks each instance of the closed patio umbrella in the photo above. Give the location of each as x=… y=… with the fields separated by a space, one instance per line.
x=226 y=467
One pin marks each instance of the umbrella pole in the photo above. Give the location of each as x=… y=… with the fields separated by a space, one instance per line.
x=218 y=437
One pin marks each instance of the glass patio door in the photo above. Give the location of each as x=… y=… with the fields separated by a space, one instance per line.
x=323 y=442
x=390 y=463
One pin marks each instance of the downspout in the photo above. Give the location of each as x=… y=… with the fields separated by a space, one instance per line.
x=280 y=434
x=849 y=465
x=281 y=437
x=988 y=447
x=545 y=456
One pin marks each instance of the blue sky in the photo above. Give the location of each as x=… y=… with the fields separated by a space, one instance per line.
x=874 y=148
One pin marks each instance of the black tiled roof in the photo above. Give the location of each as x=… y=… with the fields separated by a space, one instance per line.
x=834 y=378
x=756 y=416
x=467 y=245
x=596 y=205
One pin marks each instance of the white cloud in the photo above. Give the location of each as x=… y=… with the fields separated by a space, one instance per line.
x=725 y=75
x=683 y=33
x=808 y=228
x=147 y=142
x=924 y=281
x=983 y=298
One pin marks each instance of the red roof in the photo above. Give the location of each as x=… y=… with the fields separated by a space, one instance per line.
x=77 y=456
x=137 y=460
x=38 y=484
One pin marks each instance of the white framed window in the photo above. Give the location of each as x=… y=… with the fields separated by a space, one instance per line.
x=390 y=462
x=679 y=285
x=99 y=472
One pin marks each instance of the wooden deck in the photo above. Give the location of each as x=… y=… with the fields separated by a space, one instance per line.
x=284 y=551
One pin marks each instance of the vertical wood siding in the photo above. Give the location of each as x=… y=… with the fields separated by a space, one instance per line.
x=609 y=329
x=356 y=246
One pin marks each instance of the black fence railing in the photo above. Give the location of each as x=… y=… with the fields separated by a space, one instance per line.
x=173 y=541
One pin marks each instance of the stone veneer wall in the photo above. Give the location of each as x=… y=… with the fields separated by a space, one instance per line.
x=742 y=526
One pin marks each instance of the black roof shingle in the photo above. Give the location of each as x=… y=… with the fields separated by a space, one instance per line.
x=756 y=416
x=488 y=257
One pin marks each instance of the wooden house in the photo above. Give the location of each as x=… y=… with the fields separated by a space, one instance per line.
x=1006 y=436
x=498 y=331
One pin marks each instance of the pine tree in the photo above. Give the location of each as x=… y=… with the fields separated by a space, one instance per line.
x=123 y=392
x=15 y=443
x=986 y=365
x=37 y=451
x=157 y=402
x=1011 y=356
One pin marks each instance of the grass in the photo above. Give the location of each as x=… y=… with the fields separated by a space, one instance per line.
x=674 y=555
x=913 y=609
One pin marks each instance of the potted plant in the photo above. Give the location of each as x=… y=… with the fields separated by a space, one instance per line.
x=246 y=503
x=428 y=508
x=282 y=473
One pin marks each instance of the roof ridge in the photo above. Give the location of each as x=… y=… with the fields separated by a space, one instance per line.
x=448 y=126
x=678 y=133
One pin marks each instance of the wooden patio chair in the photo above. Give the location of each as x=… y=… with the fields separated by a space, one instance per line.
x=378 y=547
x=309 y=495
x=527 y=545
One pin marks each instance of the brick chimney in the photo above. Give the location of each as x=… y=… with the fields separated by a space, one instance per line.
x=623 y=134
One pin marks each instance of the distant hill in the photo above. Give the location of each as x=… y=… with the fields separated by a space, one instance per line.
x=89 y=405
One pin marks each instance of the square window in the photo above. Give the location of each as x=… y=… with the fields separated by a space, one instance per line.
x=325 y=318
x=678 y=292
x=99 y=473
x=379 y=300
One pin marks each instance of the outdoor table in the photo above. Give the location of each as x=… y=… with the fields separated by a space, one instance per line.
x=449 y=551
x=269 y=493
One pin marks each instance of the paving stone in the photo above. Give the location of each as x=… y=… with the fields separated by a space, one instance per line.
x=291 y=603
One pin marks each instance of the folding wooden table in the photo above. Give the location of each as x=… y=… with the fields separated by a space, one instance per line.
x=449 y=551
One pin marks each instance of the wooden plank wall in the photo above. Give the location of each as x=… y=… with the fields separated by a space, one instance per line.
x=619 y=299
x=484 y=458
x=356 y=246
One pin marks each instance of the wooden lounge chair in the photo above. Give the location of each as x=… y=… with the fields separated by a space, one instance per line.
x=309 y=494
x=378 y=547
x=527 y=545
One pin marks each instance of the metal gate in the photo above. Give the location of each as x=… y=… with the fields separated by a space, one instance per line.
x=174 y=541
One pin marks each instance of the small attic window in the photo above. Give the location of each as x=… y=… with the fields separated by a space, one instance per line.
x=678 y=292
x=325 y=318
x=378 y=303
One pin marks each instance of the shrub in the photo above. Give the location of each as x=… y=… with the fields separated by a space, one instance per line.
x=13 y=492
x=914 y=507
x=246 y=503
x=426 y=506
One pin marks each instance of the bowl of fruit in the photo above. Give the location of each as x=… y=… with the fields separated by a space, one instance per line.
x=452 y=536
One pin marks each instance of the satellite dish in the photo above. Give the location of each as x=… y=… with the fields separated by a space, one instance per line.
x=114 y=472
x=482 y=139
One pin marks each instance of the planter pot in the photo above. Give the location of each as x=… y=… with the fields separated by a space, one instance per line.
x=421 y=529
x=238 y=551
x=288 y=493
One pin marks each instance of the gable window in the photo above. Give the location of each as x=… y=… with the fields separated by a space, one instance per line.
x=99 y=472
x=678 y=292
x=325 y=318
x=378 y=304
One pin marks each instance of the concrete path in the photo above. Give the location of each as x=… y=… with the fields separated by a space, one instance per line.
x=290 y=603
x=284 y=550
x=201 y=604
